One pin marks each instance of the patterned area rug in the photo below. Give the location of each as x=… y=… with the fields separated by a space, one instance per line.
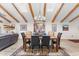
x=21 y=52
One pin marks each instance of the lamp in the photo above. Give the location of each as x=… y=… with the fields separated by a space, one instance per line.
x=39 y=17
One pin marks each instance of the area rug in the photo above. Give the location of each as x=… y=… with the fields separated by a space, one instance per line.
x=21 y=52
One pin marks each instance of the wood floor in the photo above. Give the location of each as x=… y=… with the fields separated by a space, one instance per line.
x=70 y=47
x=75 y=41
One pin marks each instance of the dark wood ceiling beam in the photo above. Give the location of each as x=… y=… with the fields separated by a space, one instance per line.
x=57 y=13
x=5 y=19
x=19 y=12
x=31 y=9
x=9 y=13
x=74 y=18
x=44 y=10
x=76 y=6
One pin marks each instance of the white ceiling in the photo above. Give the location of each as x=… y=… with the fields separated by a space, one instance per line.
x=51 y=9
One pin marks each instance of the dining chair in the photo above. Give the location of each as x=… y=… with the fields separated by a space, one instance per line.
x=45 y=42
x=57 y=42
x=58 y=39
x=52 y=35
x=28 y=36
x=25 y=41
x=35 y=42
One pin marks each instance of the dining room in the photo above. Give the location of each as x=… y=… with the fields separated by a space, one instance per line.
x=39 y=29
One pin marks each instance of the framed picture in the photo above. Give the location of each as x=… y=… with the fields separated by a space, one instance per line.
x=23 y=27
x=54 y=27
x=39 y=27
x=65 y=27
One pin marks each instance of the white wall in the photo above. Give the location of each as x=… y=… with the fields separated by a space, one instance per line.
x=17 y=28
x=73 y=32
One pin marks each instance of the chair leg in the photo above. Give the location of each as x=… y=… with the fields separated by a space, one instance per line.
x=39 y=48
x=48 y=49
x=24 y=46
x=52 y=46
x=57 y=48
x=32 y=50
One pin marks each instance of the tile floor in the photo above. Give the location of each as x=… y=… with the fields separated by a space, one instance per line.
x=70 y=47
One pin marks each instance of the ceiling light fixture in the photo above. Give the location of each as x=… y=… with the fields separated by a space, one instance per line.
x=39 y=17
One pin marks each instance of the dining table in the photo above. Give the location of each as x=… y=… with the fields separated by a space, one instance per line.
x=53 y=38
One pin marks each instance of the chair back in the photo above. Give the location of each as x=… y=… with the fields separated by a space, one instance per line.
x=58 y=40
x=45 y=40
x=28 y=34
x=59 y=35
x=35 y=40
x=23 y=35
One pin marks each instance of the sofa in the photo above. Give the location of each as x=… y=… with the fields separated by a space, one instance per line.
x=7 y=40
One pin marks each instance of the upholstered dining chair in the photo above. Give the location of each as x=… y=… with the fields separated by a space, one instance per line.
x=25 y=41
x=35 y=42
x=52 y=35
x=28 y=36
x=57 y=41
x=45 y=42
